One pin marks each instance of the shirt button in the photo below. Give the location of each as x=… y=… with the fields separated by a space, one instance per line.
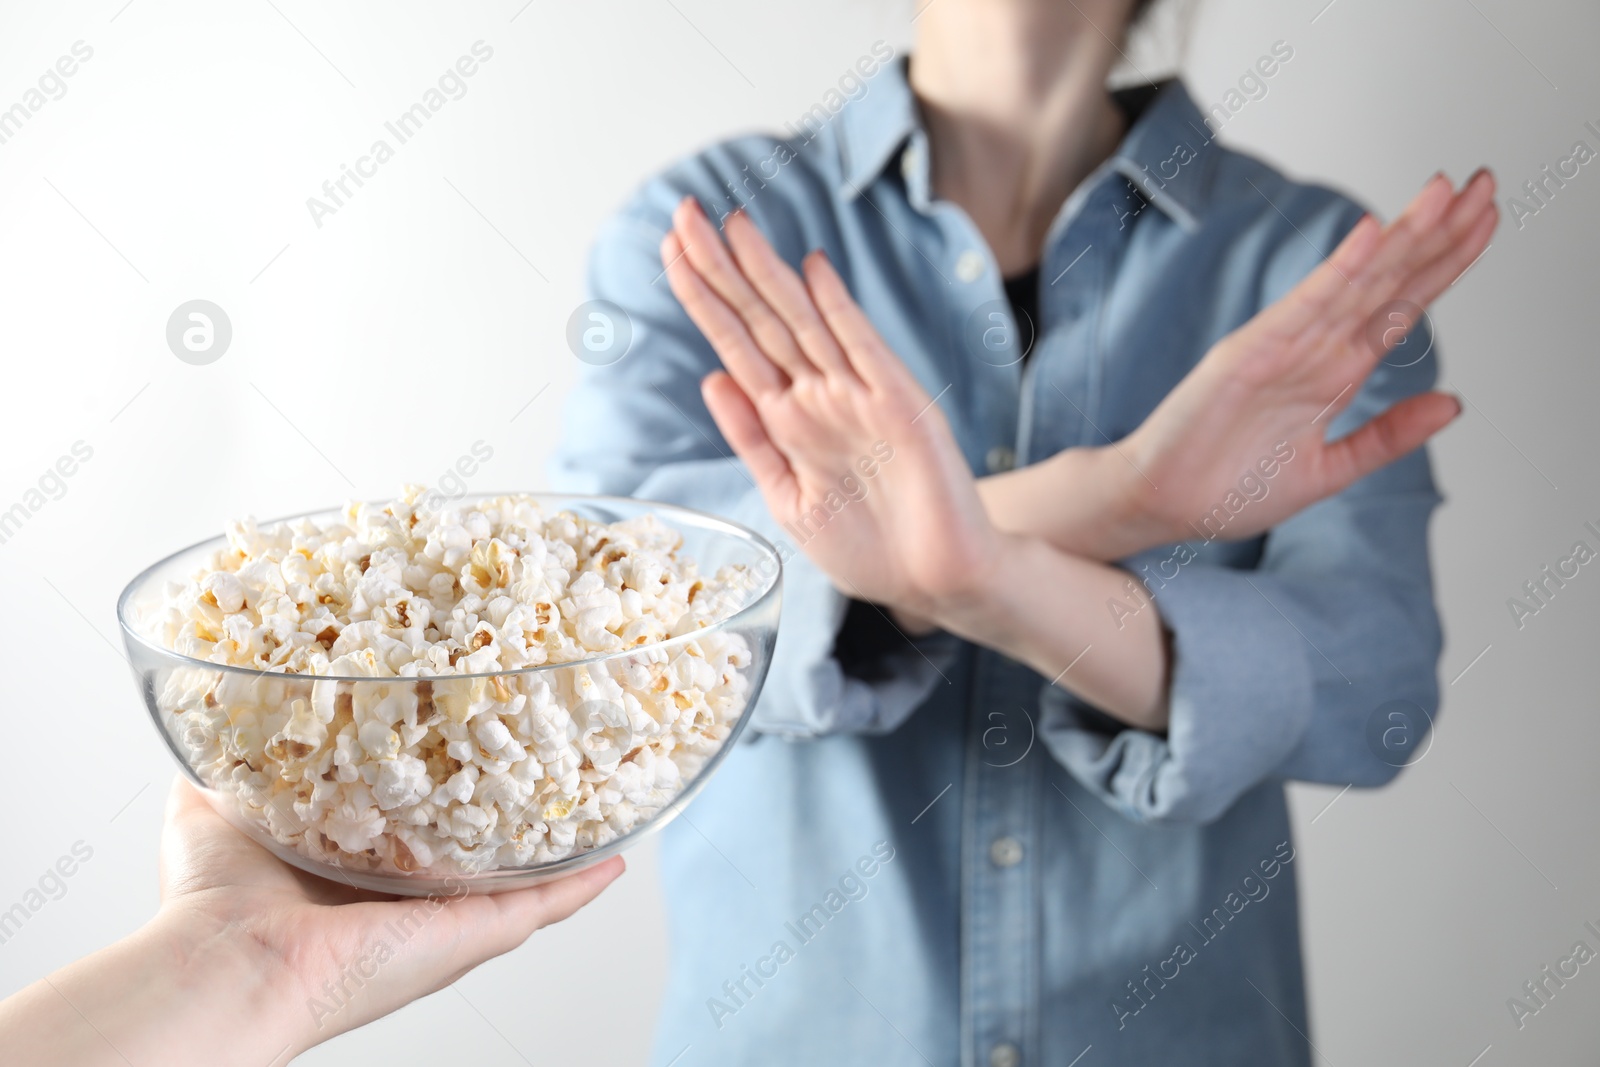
x=1005 y=852
x=1005 y=1054
x=1000 y=459
x=910 y=160
x=969 y=266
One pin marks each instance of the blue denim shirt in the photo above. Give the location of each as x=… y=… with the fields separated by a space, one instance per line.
x=928 y=854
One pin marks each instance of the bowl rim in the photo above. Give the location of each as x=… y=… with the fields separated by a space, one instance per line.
x=704 y=519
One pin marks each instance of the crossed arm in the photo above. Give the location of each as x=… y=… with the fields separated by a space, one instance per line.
x=1012 y=561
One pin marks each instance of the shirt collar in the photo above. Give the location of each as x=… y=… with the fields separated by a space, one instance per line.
x=1167 y=153
x=876 y=125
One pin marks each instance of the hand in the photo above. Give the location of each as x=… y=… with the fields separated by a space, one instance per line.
x=811 y=392
x=1265 y=392
x=250 y=961
x=311 y=934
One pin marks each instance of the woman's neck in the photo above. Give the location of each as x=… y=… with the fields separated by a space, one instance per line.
x=1014 y=99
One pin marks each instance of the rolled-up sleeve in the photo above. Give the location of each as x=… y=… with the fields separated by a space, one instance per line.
x=639 y=428
x=1280 y=666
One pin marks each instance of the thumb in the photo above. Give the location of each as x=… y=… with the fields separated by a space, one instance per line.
x=1396 y=432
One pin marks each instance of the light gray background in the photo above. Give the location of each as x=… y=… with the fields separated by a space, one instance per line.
x=429 y=313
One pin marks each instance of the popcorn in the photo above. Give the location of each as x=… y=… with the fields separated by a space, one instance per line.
x=380 y=730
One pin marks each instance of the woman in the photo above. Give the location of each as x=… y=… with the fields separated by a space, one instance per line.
x=1047 y=814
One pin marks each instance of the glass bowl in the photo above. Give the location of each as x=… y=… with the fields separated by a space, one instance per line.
x=518 y=825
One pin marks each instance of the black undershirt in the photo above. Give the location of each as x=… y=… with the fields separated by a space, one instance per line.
x=1022 y=292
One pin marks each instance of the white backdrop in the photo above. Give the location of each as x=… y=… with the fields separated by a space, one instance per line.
x=427 y=314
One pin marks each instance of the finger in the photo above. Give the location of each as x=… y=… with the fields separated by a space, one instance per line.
x=872 y=360
x=184 y=802
x=449 y=935
x=202 y=850
x=1398 y=431
x=725 y=330
x=1310 y=299
x=786 y=293
x=745 y=433
x=1443 y=242
x=194 y=839
x=710 y=256
x=1466 y=231
x=1345 y=283
x=523 y=911
x=1414 y=238
x=1470 y=236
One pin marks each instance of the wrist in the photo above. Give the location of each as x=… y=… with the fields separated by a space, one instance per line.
x=969 y=602
x=182 y=991
x=1090 y=501
x=1123 y=515
x=238 y=995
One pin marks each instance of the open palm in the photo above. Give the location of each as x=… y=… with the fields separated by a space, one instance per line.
x=847 y=449
x=1271 y=388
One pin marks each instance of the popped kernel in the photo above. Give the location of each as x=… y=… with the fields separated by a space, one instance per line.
x=369 y=740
